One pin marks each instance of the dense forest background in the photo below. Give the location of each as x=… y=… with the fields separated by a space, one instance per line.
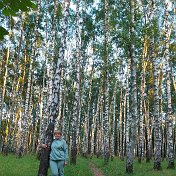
x=101 y=71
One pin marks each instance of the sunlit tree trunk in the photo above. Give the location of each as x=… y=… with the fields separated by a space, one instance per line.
x=148 y=132
x=26 y=118
x=3 y=92
x=19 y=108
x=4 y=84
x=170 y=145
x=23 y=146
x=17 y=87
x=34 y=134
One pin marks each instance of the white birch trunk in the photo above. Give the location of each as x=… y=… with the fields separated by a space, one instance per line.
x=76 y=104
x=106 y=131
x=132 y=143
x=170 y=148
x=157 y=132
x=43 y=168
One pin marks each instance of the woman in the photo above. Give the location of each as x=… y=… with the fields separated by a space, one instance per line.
x=58 y=155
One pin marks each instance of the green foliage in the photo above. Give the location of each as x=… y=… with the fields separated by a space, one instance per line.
x=11 y=8
x=3 y=32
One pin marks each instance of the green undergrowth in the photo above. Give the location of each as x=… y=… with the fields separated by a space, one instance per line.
x=81 y=169
x=28 y=166
x=12 y=166
x=117 y=168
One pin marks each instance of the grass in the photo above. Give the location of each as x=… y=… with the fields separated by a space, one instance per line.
x=81 y=169
x=12 y=166
x=117 y=168
x=28 y=166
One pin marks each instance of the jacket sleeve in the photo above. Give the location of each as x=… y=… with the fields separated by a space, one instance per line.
x=66 y=151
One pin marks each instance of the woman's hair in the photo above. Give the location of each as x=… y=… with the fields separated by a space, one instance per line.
x=57 y=132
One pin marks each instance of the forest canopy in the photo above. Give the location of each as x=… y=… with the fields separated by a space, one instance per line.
x=11 y=8
x=101 y=71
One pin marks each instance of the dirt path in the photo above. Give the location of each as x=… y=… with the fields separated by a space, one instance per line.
x=95 y=170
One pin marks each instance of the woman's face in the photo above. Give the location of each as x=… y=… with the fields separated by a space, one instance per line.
x=57 y=135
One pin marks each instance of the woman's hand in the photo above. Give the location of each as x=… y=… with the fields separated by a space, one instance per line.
x=44 y=146
x=65 y=163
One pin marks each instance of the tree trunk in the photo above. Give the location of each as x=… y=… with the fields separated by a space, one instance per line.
x=23 y=146
x=142 y=109
x=76 y=105
x=44 y=162
x=157 y=132
x=105 y=85
x=170 y=148
x=86 y=123
x=3 y=94
x=129 y=166
x=121 y=126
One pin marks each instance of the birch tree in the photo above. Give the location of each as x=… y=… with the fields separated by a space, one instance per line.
x=76 y=104
x=170 y=148
x=43 y=168
x=105 y=85
x=157 y=133
x=132 y=144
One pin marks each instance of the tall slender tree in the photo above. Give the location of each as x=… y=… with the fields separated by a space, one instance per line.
x=105 y=84
x=157 y=132
x=170 y=148
x=43 y=168
x=76 y=104
x=132 y=143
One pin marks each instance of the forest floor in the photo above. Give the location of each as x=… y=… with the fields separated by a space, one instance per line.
x=28 y=166
x=96 y=171
x=117 y=168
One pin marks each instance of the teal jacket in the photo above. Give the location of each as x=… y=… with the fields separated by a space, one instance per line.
x=59 y=150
